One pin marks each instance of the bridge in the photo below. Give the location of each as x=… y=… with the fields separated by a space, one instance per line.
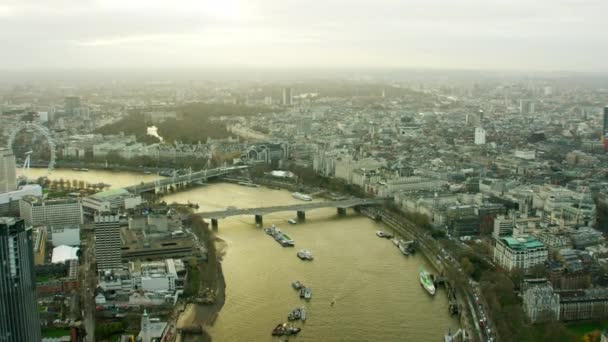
x=164 y=184
x=301 y=209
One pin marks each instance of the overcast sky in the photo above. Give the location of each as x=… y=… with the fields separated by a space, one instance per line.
x=462 y=34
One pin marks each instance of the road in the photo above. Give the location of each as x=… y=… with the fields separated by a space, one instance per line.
x=87 y=289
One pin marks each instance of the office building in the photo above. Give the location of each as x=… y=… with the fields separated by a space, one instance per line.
x=19 y=317
x=9 y=201
x=8 y=177
x=72 y=104
x=287 y=97
x=54 y=213
x=519 y=253
x=107 y=242
x=480 y=136
x=526 y=107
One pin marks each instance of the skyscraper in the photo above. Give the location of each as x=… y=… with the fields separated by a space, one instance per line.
x=72 y=104
x=107 y=242
x=19 y=318
x=480 y=136
x=287 y=97
x=8 y=178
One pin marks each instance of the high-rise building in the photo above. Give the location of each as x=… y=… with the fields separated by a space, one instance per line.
x=55 y=213
x=72 y=104
x=19 y=317
x=526 y=107
x=8 y=177
x=287 y=97
x=107 y=241
x=605 y=131
x=480 y=136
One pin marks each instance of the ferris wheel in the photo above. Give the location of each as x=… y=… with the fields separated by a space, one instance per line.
x=43 y=131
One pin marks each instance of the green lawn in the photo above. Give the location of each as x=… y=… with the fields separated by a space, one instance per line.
x=55 y=332
x=587 y=327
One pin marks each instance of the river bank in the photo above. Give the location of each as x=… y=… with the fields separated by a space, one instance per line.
x=212 y=283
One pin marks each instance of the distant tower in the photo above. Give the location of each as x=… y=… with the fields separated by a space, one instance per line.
x=19 y=317
x=8 y=178
x=604 y=136
x=107 y=242
x=480 y=136
x=526 y=107
x=287 y=97
x=72 y=104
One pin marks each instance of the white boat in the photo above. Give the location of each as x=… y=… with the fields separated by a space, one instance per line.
x=403 y=248
x=303 y=313
x=301 y=196
x=307 y=293
x=305 y=254
x=380 y=234
x=427 y=281
x=395 y=242
x=292 y=221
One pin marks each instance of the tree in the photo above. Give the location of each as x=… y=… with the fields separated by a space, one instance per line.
x=467 y=266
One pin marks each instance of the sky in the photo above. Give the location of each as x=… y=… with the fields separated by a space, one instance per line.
x=543 y=35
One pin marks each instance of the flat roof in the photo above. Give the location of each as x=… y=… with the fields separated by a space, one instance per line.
x=519 y=243
x=105 y=195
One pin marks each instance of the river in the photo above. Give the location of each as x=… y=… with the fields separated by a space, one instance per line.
x=375 y=288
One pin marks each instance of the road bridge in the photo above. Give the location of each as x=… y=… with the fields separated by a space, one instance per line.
x=164 y=184
x=300 y=208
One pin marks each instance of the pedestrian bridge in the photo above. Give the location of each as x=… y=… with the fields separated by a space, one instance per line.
x=300 y=208
x=164 y=184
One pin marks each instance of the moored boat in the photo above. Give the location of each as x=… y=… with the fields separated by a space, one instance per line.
x=297 y=284
x=292 y=221
x=403 y=248
x=307 y=293
x=284 y=329
x=426 y=281
x=301 y=196
x=303 y=313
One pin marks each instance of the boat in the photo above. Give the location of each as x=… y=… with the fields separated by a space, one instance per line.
x=147 y=172
x=302 y=291
x=307 y=293
x=427 y=281
x=303 y=313
x=82 y=169
x=295 y=314
x=297 y=284
x=292 y=221
x=284 y=239
x=249 y=184
x=404 y=249
x=395 y=242
x=301 y=196
x=305 y=254
x=284 y=329
x=380 y=233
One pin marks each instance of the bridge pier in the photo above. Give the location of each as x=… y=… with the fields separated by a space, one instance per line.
x=259 y=220
x=214 y=224
x=357 y=208
x=341 y=211
x=301 y=216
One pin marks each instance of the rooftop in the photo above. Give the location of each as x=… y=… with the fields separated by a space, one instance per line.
x=522 y=242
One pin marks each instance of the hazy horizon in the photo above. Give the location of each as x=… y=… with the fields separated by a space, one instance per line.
x=563 y=35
